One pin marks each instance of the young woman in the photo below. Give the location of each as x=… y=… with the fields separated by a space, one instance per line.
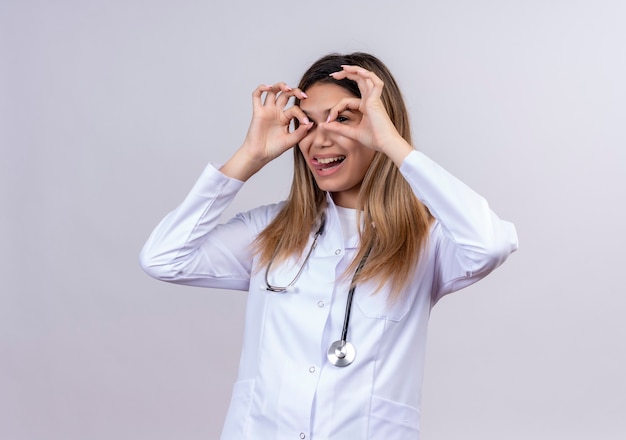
x=343 y=274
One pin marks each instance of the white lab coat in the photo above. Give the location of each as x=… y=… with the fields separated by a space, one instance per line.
x=286 y=388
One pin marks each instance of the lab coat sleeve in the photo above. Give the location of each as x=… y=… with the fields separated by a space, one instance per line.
x=470 y=240
x=190 y=247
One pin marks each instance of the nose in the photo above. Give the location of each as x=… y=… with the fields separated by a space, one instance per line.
x=321 y=136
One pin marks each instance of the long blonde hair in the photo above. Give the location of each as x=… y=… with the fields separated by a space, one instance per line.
x=395 y=223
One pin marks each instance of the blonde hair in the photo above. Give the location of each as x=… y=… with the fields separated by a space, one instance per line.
x=395 y=223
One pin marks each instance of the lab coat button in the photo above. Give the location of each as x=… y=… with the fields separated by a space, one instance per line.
x=302 y=435
x=320 y=304
x=312 y=369
x=338 y=251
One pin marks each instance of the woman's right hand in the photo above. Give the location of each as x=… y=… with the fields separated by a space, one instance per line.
x=269 y=134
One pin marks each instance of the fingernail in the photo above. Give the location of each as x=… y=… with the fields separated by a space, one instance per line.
x=304 y=95
x=333 y=74
x=306 y=120
x=328 y=119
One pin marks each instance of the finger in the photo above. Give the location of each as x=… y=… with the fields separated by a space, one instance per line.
x=361 y=72
x=299 y=93
x=280 y=87
x=275 y=91
x=353 y=104
x=298 y=134
x=283 y=98
x=366 y=85
x=366 y=80
x=296 y=112
x=257 y=95
x=350 y=132
x=287 y=93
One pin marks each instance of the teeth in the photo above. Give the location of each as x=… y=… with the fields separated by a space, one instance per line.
x=328 y=160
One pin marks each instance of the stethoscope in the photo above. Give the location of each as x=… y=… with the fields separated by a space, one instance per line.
x=341 y=353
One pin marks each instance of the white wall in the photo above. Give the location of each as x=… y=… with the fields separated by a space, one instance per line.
x=110 y=109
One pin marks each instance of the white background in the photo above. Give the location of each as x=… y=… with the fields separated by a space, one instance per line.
x=110 y=109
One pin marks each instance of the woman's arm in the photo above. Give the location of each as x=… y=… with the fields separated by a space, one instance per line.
x=189 y=246
x=471 y=239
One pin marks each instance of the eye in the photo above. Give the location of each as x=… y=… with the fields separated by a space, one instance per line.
x=341 y=118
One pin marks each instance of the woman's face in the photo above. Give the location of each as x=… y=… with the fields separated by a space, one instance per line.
x=338 y=163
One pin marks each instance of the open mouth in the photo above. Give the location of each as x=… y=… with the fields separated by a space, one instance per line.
x=328 y=162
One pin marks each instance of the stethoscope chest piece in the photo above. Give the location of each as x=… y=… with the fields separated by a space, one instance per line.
x=341 y=353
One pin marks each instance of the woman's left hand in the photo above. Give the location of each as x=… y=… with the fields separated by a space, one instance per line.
x=375 y=130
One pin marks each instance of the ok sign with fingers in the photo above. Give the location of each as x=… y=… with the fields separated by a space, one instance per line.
x=269 y=134
x=375 y=130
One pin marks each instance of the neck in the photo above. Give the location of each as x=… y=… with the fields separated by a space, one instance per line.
x=345 y=199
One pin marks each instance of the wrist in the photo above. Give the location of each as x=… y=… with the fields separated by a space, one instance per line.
x=397 y=149
x=242 y=165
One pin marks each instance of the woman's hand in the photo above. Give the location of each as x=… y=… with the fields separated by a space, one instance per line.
x=375 y=130
x=269 y=134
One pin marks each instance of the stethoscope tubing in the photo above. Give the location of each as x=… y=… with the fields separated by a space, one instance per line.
x=341 y=353
x=346 y=319
x=281 y=289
